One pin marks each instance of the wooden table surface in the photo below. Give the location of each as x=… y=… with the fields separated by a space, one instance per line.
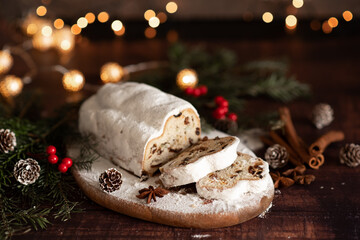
x=327 y=209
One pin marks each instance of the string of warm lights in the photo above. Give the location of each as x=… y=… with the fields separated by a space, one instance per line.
x=46 y=34
x=291 y=21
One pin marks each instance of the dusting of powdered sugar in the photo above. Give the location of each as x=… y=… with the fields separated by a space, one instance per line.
x=199 y=236
x=263 y=214
x=174 y=202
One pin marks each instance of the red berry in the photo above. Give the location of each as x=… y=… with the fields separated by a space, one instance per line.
x=218 y=113
x=232 y=116
x=224 y=104
x=197 y=92
x=67 y=161
x=219 y=100
x=189 y=91
x=62 y=167
x=52 y=158
x=51 y=150
x=203 y=89
x=223 y=110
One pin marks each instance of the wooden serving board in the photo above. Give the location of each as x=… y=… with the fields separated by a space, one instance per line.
x=174 y=209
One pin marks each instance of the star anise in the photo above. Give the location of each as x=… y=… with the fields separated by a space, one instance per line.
x=151 y=193
x=299 y=176
x=281 y=180
x=299 y=170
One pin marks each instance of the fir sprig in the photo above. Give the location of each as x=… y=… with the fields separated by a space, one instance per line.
x=25 y=207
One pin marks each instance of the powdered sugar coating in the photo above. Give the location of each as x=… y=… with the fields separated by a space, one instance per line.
x=174 y=202
x=126 y=117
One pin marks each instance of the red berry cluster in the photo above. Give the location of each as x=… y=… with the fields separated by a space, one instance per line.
x=65 y=164
x=223 y=109
x=196 y=92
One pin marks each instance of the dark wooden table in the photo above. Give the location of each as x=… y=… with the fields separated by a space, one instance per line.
x=327 y=209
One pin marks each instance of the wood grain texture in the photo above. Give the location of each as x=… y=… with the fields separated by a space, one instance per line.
x=327 y=209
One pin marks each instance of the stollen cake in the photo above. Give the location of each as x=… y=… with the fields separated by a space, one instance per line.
x=198 y=160
x=247 y=175
x=137 y=126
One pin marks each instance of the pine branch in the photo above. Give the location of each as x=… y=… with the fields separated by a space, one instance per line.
x=279 y=87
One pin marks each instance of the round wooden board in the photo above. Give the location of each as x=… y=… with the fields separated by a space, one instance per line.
x=173 y=209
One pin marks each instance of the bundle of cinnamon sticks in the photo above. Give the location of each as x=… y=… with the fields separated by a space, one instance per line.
x=299 y=152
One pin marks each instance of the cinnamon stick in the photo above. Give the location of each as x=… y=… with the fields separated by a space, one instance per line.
x=321 y=143
x=316 y=161
x=291 y=134
x=293 y=156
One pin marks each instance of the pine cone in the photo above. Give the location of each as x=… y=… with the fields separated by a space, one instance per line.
x=110 y=180
x=226 y=125
x=323 y=115
x=7 y=140
x=350 y=155
x=277 y=156
x=27 y=171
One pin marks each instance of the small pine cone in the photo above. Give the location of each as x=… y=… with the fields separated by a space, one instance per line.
x=27 y=171
x=110 y=180
x=323 y=115
x=277 y=156
x=226 y=125
x=350 y=155
x=7 y=140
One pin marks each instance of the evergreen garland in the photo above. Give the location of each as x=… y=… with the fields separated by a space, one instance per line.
x=23 y=207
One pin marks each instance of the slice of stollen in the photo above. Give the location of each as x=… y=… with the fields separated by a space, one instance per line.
x=198 y=160
x=247 y=175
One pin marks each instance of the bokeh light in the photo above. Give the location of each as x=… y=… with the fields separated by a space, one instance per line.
x=333 y=22
x=116 y=25
x=46 y=31
x=291 y=21
x=347 y=15
x=154 y=22
x=298 y=3
x=82 y=22
x=149 y=14
x=162 y=17
x=75 y=29
x=150 y=33
x=6 y=61
x=41 y=11
x=90 y=17
x=103 y=17
x=326 y=27
x=59 y=23
x=187 y=78
x=267 y=17
x=73 y=81
x=11 y=86
x=171 y=7
x=111 y=72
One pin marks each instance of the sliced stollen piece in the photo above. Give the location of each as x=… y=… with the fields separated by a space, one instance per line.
x=198 y=160
x=138 y=127
x=247 y=175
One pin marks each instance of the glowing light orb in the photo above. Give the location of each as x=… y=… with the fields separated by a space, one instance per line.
x=267 y=17
x=171 y=7
x=11 y=86
x=187 y=78
x=6 y=61
x=111 y=72
x=73 y=81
